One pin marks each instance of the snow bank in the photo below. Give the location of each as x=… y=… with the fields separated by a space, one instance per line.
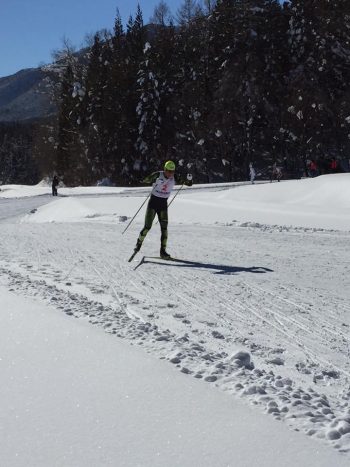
x=42 y=188
x=321 y=203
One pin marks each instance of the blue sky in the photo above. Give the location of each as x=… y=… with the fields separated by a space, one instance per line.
x=31 y=29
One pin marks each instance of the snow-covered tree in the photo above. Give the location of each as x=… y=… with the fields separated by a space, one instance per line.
x=320 y=49
x=147 y=109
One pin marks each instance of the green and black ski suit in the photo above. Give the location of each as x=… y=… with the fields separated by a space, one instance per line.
x=158 y=204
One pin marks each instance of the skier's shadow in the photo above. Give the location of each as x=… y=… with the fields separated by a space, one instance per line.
x=219 y=268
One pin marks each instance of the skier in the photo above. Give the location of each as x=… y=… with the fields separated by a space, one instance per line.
x=163 y=183
x=55 y=183
x=252 y=173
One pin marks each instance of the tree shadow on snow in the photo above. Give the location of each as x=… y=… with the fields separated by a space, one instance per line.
x=219 y=268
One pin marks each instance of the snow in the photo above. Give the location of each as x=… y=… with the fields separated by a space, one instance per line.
x=320 y=203
x=236 y=356
x=77 y=397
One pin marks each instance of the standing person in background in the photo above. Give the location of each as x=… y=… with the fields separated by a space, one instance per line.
x=279 y=173
x=54 y=186
x=252 y=173
x=163 y=183
x=313 y=169
x=334 y=165
x=276 y=173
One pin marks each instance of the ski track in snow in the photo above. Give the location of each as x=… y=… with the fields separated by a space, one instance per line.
x=269 y=324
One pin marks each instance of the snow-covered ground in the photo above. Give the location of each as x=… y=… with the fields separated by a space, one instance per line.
x=256 y=318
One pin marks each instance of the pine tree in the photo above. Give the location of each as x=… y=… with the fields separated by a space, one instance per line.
x=17 y=164
x=95 y=85
x=165 y=64
x=235 y=82
x=318 y=105
x=191 y=100
x=67 y=129
x=148 y=110
x=117 y=95
x=135 y=42
x=248 y=71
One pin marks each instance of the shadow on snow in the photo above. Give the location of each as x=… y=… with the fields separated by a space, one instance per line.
x=219 y=268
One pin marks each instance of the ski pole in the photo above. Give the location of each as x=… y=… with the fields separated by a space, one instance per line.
x=126 y=228
x=178 y=191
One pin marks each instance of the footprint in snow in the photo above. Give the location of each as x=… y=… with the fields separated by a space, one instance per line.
x=179 y=315
x=276 y=361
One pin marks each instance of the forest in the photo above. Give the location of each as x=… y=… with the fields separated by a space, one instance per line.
x=215 y=87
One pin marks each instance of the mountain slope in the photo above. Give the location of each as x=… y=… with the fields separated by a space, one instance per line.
x=24 y=96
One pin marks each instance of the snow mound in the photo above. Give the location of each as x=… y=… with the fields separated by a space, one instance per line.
x=62 y=210
x=324 y=191
x=321 y=203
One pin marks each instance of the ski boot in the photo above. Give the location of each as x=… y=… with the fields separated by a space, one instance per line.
x=163 y=254
x=136 y=250
x=138 y=246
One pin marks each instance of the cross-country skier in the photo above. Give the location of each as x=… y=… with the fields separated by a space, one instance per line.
x=163 y=183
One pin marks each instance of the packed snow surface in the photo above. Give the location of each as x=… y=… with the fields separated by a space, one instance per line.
x=255 y=318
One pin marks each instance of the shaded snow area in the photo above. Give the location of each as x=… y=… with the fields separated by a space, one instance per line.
x=255 y=318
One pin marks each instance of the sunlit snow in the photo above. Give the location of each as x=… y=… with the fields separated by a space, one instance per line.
x=241 y=350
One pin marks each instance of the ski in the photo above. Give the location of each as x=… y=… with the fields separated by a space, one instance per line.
x=178 y=260
x=132 y=256
x=158 y=258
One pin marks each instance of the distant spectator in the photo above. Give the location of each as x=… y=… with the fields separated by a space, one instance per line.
x=313 y=172
x=105 y=182
x=276 y=173
x=55 y=183
x=333 y=165
x=322 y=165
x=252 y=173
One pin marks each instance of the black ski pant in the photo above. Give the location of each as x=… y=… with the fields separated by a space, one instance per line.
x=155 y=206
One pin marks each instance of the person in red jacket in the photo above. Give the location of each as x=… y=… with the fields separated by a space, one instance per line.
x=334 y=165
x=313 y=168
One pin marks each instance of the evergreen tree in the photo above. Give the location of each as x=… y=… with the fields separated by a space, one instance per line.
x=135 y=42
x=67 y=129
x=117 y=96
x=96 y=108
x=165 y=63
x=17 y=164
x=191 y=102
x=148 y=110
x=235 y=82
x=319 y=42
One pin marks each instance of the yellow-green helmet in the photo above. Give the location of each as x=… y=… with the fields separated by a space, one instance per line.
x=169 y=165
